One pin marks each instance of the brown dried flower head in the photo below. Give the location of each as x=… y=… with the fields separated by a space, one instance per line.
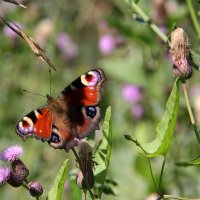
x=179 y=50
x=87 y=164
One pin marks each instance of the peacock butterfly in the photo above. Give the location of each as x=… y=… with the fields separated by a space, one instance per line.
x=75 y=114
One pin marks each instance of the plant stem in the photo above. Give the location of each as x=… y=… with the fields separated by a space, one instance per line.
x=161 y=173
x=128 y=137
x=184 y=87
x=25 y=186
x=193 y=17
x=146 y=18
x=179 y=198
x=85 y=178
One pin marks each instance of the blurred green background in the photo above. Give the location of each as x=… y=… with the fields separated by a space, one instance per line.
x=78 y=36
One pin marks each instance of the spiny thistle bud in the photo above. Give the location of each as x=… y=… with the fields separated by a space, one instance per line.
x=87 y=164
x=35 y=189
x=179 y=50
x=20 y=172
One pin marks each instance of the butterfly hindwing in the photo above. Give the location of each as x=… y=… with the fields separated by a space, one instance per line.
x=84 y=95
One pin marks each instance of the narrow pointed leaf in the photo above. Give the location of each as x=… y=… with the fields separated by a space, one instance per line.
x=58 y=186
x=166 y=127
x=103 y=152
x=195 y=162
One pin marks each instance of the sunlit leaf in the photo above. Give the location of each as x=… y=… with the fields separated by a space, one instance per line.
x=57 y=188
x=76 y=192
x=103 y=152
x=165 y=129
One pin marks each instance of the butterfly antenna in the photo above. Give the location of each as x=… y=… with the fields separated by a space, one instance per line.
x=33 y=93
x=50 y=82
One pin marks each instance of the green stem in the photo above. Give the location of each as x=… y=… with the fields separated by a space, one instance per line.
x=184 y=87
x=146 y=18
x=161 y=173
x=179 y=198
x=85 y=178
x=193 y=17
x=25 y=186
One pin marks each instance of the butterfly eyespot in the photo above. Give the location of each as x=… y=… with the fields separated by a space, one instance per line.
x=91 y=78
x=90 y=112
x=54 y=138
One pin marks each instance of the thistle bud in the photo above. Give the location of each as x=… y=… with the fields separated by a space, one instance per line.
x=35 y=189
x=20 y=172
x=179 y=50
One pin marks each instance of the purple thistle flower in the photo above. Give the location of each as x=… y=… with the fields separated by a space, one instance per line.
x=66 y=46
x=131 y=93
x=4 y=174
x=8 y=32
x=137 y=111
x=11 y=153
x=107 y=43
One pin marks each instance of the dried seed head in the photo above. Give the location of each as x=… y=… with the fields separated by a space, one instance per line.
x=86 y=169
x=20 y=172
x=179 y=50
x=80 y=179
x=35 y=189
x=85 y=150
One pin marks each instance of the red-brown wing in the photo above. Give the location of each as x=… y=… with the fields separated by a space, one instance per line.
x=82 y=97
x=37 y=123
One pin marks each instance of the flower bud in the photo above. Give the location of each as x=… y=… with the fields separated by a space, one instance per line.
x=35 y=189
x=179 y=50
x=20 y=172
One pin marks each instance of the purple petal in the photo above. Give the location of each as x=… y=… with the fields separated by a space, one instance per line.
x=137 y=111
x=106 y=44
x=131 y=93
x=4 y=174
x=11 y=153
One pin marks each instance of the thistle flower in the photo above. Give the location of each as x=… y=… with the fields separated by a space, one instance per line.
x=35 y=189
x=131 y=93
x=19 y=173
x=137 y=111
x=66 y=46
x=179 y=50
x=4 y=175
x=9 y=33
x=11 y=153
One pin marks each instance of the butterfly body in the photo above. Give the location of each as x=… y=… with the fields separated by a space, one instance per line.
x=74 y=115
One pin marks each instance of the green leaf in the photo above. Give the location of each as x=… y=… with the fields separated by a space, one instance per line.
x=57 y=188
x=76 y=192
x=110 y=187
x=195 y=162
x=195 y=60
x=166 y=127
x=103 y=152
